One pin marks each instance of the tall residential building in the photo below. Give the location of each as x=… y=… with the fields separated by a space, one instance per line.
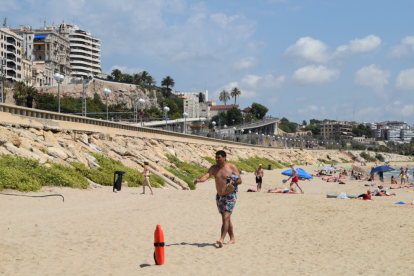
x=85 y=53
x=49 y=51
x=338 y=129
x=11 y=54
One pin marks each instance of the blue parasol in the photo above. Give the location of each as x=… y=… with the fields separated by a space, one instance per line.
x=382 y=169
x=301 y=173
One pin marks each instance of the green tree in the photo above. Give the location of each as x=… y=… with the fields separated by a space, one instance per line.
x=235 y=92
x=167 y=82
x=117 y=74
x=315 y=122
x=151 y=81
x=143 y=76
x=126 y=78
x=313 y=128
x=171 y=104
x=136 y=78
x=234 y=114
x=285 y=128
x=224 y=96
x=259 y=110
x=222 y=116
x=290 y=126
x=304 y=123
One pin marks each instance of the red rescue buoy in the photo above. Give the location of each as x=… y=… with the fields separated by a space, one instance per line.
x=159 y=255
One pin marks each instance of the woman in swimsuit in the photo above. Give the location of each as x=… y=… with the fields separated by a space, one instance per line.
x=407 y=175
x=147 y=172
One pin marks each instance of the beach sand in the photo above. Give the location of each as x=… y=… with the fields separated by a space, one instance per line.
x=98 y=232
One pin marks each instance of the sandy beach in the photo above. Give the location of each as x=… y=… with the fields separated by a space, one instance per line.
x=98 y=232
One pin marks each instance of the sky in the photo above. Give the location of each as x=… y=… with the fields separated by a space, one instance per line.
x=303 y=59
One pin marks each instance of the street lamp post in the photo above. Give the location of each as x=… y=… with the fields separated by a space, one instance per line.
x=201 y=125
x=166 y=109
x=106 y=92
x=59 y=78
x=141 y=102
x=250 y=137
x=185 y=115
x=214 y=130
x=241 y=135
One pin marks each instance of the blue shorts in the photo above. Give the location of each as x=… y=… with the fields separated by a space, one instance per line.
x=226 y=203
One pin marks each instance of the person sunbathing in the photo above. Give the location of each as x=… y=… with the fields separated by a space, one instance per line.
x=378 y=192
x=331 y=179
x=393 y=181
x=402 y=186
x=291 y=190
x=366 y=196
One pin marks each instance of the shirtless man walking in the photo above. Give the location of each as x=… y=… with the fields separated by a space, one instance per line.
x=225 y=200
x=295 y=178
x=259 y=173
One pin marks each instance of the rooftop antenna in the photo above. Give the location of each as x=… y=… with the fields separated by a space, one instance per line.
x=40 y=23
x=45 y=22
x=5 y=22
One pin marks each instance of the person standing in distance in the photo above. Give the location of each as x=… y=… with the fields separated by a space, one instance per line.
x=225 y=200
x=259 y=173
x=147 y=172
x=295 y=178
x=30 y=100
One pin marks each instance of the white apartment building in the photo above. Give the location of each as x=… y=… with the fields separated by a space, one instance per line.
x=371 y=125
x=10 y=52
x=192 y=108
x=85 y=53
x=192 y=95
x=393 y=134
x=406 y=134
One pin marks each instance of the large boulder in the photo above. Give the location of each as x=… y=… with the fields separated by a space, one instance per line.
x=57 y=153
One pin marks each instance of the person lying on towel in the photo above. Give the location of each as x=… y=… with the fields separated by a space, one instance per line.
x=291 y=190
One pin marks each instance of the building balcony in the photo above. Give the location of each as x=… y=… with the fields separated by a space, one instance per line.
x=72 y=62
x=96 y=55
x=11 y=41
x=79 y=51
x=11 y=58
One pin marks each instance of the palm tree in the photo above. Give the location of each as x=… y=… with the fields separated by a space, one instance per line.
x=224 y=96
x=151 y=80
x=117 y=74
x=167 y=81
x=235 y=92
x=136 y=78
x=144 y=76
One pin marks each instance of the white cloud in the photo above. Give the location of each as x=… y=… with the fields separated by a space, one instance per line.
x=312 y=50
x=405 y=80
x=406 y=48
x=273 y=100
x=363 y=45
x=246 y=63
x=372 y=76
x=301 y=99
x=397 y=102
x=266 y=81
x=309 y=109
x=308 y=49
x=314 y=75
x=126 y=69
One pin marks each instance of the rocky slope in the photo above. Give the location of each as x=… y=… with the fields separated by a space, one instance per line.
x=65 y=146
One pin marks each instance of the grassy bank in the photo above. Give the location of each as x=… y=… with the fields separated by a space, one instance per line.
x=105 y=174
x=187 y=171
x=27 y=175
x=249 y=164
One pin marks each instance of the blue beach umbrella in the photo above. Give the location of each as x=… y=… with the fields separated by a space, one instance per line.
x=301 y=173
x=382 y=169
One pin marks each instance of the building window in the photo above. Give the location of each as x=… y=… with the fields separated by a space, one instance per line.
x=30 y=37
x=30 y=46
